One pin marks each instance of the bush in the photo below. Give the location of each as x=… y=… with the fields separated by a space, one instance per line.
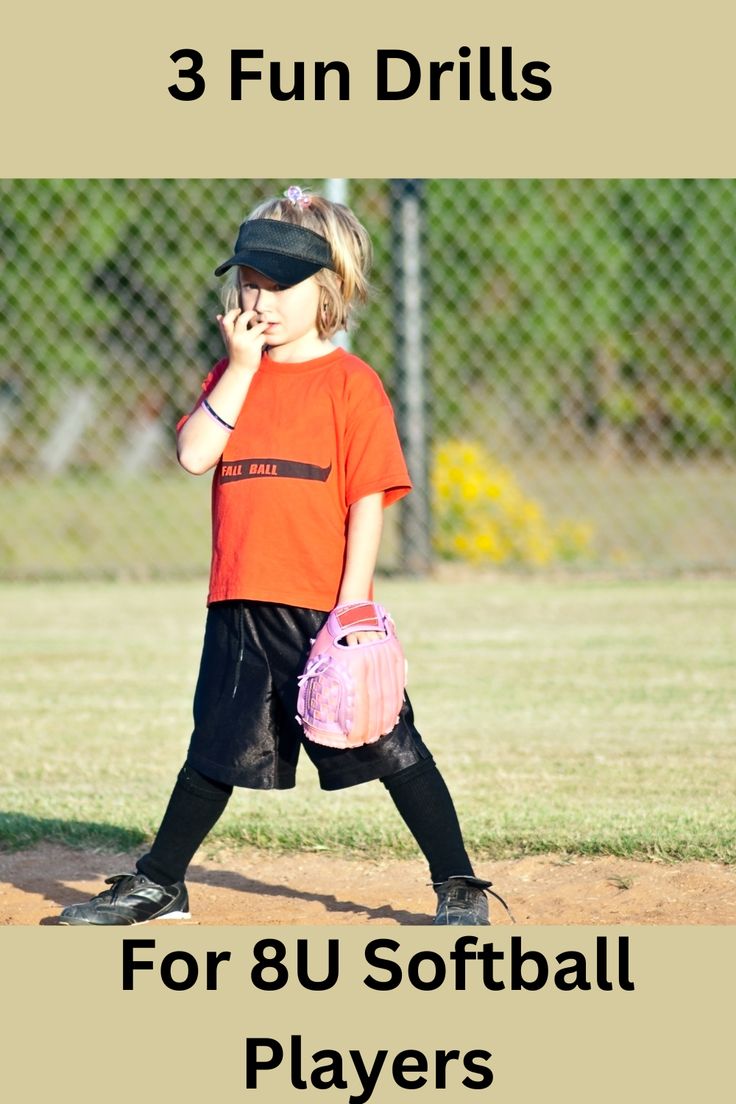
x=483 y=517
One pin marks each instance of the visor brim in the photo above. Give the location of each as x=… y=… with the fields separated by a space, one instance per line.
x=283 y=270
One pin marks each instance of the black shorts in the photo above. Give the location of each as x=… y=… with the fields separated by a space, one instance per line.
x=245 y=727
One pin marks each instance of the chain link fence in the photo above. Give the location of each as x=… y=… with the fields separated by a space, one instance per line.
x=561 y=353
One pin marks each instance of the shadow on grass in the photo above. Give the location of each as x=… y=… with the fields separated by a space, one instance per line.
x=20 y=832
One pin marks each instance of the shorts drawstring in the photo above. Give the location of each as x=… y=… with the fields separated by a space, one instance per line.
x=241 y=646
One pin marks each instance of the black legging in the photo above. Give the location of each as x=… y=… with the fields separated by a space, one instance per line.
x=418 y=792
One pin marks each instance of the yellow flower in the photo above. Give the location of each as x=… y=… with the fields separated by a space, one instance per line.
x=483 y=516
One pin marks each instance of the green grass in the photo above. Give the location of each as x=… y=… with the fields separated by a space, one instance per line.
x=653 y=516
x=571 y=716
x=646 y=518
x=101 y=525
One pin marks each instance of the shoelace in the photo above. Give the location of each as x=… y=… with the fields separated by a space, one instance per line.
x=459 y=883
x=500 y=898
x=115 y=886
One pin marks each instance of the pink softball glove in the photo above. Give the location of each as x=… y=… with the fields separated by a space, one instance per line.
x=352 y=694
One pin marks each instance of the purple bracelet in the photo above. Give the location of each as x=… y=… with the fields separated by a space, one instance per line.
x=216 y=417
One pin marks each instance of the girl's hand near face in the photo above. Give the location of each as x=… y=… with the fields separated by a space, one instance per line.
x=243 y=338
x=202 y=438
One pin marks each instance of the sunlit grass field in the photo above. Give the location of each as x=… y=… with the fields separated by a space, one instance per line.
x=643 y=519
x=572 y=716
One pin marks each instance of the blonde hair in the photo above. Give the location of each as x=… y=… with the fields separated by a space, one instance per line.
x=351 y=249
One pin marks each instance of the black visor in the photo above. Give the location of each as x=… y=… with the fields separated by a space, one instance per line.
x=282 y=251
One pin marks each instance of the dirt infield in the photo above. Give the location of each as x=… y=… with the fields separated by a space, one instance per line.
x=252 y=887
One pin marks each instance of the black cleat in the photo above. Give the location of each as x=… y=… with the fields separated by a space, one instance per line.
x=461 y=900
x=133 y=899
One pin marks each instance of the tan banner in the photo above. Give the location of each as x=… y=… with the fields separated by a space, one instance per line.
x=274 y=1014
x=382 y=89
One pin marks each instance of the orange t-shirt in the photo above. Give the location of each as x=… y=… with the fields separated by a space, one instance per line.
x=311 y=439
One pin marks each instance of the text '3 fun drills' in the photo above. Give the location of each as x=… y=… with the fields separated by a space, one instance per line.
x=484 y=73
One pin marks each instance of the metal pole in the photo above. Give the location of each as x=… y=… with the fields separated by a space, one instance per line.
x=336 y=190
x=407 y=218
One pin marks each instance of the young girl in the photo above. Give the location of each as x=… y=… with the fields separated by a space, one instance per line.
x=306 y=457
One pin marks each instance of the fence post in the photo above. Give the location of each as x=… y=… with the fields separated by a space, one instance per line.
x=336 y=190
x=407 y=216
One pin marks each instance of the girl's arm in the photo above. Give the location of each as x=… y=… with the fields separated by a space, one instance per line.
x=365 y=524
x=202 y=438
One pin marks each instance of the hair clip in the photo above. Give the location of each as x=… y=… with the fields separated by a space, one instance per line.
x=296 y=196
